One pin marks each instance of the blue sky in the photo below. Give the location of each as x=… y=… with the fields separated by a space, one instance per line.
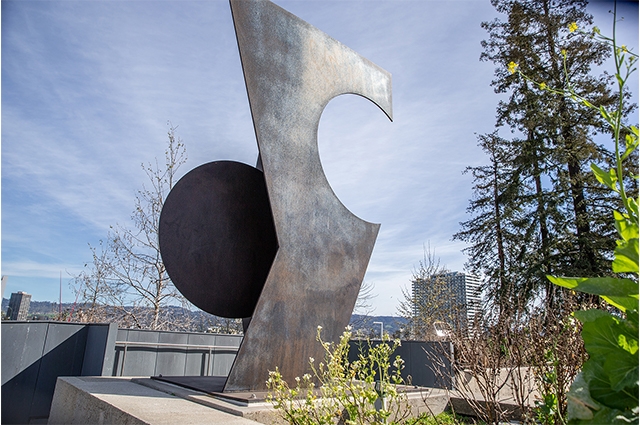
x=89 y=86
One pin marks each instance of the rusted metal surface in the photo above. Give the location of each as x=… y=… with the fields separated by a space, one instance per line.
x=217 y=237
x=292 y=70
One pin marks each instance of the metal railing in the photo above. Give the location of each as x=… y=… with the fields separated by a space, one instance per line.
x=210 y=349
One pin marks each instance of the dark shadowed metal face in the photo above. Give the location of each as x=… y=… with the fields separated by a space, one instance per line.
x=217 y=237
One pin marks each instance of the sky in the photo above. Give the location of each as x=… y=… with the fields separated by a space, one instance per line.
x=89 y=89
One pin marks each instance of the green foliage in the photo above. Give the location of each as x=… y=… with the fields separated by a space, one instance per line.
x=606 y=391
x=338 y=391
x=547 y=408
x=537 y=208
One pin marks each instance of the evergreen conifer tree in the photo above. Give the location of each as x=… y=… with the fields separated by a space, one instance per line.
x=537 y=208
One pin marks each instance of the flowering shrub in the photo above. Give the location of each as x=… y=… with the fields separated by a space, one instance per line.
x=338 y=391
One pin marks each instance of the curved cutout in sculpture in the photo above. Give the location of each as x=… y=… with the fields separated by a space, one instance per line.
x=347 y=140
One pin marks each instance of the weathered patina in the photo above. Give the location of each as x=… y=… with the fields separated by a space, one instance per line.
x=274 y=243
x=292 y=70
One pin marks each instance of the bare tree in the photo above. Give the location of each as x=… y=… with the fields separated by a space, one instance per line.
x=514 y=365
x=363 y=303
x=93 y=290
x=429 y=301
x=557 y=356
x=363 y=309
x=127 y=281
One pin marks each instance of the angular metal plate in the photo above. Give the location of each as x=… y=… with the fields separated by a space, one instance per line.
x=292 y=70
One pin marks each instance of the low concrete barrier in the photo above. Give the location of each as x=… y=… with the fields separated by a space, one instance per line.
x=35 y=354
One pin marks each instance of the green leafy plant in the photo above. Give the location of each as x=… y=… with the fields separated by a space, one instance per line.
x=606 y=391
x=363 y=391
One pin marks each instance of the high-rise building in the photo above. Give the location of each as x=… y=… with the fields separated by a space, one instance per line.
x=452 y=297
x=19 y=306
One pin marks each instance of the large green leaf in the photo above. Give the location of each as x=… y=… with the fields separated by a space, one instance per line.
x=601 y=391
x=584 y=410
x=622 y=370
x=610 y=286
x=631 y=140
x=590 y=315
x=611 y=416
x=632 y=205
x=626 y=257
x=623 y=303
x=607 y=178
x=628 y=342
x=609 y=336
x=632 y=321
x=601 y=336
x=626 y=228
x=580 y=405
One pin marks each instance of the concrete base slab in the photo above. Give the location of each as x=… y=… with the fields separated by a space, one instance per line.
x=427 y=400
x=136 y=401
x=106 y=400
x=254 y=408
x=214 y=386
x=253 y=405
x=205 y=384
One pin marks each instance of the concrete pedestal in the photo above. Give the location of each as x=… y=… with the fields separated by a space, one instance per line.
x=137 y=401
x=122 y=401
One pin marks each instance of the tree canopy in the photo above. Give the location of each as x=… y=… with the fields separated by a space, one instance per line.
x=537 y=208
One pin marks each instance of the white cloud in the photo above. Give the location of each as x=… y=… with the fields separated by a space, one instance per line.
x=88 y=88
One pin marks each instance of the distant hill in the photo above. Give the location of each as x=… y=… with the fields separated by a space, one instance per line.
x=391 y=324
x=40 y=307
x=365 y=324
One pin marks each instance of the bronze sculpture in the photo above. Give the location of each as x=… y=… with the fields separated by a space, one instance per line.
x=292 y=70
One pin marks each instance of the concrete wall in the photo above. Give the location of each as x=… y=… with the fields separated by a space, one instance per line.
x=34 y=354
x=426 y=363
x=514 y=384
x=173 y=361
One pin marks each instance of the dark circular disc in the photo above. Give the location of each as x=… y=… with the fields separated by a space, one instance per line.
x=217 y=237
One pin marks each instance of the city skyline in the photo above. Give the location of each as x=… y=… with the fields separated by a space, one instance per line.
x=89 y=87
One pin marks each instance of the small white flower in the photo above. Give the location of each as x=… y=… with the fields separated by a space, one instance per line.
x=319 y=327
x=311 y=360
